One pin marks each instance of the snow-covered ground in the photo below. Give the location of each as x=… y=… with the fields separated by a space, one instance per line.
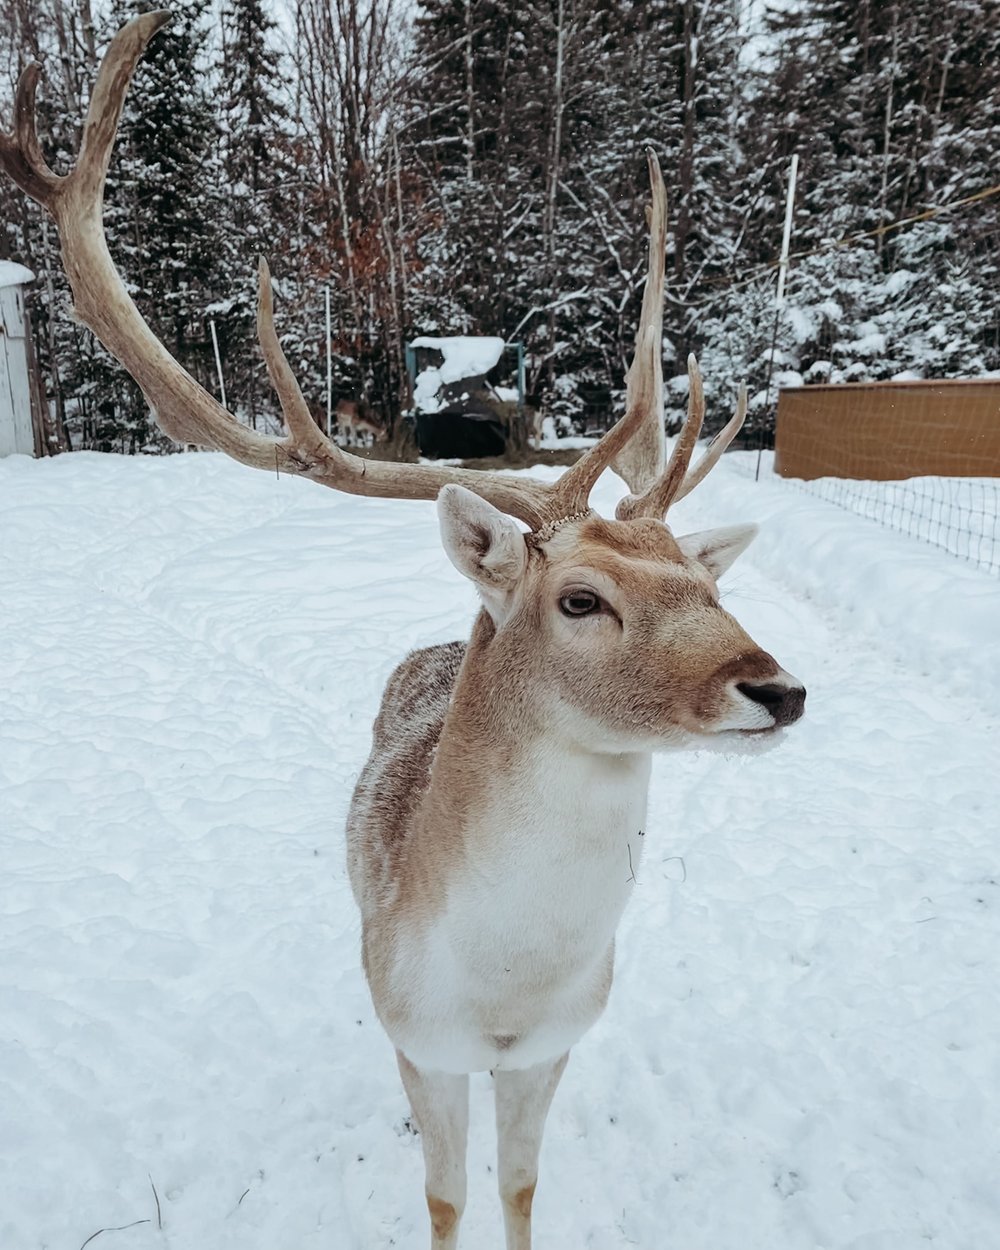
x=800 y=1052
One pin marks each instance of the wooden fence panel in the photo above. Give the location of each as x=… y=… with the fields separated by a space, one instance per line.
x=884 y=431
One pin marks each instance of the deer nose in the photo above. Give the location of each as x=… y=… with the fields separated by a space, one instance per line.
x=786 y=701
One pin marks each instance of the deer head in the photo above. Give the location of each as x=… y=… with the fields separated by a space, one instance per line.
x=617 y=621
x=616 y=626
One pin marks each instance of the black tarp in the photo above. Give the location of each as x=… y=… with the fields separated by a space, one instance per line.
x=450 y=435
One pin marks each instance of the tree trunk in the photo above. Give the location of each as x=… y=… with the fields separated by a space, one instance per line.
x=552 y=187
x=685 y=163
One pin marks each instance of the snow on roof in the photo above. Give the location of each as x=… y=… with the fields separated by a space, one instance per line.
x=14 y=275
x=465 y=356
x=427 y=391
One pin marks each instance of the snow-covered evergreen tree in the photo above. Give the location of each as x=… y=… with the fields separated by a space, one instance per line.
x=256 y=156
x=60 y=36
x=892 y=109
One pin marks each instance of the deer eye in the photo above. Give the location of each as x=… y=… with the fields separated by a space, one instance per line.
x=579 y=603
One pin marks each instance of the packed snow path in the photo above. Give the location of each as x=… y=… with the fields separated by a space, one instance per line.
x=800 y=1048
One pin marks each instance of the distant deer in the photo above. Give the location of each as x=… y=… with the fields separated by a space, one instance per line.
x=352 y=426
x=496 y=830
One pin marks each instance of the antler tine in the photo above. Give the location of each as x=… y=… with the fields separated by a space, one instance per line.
x=635 y=444
x=575 y=485
x=295 y=410
x=100 y=130
x=21 y=153
x=658 y=498
x=641 y=461
x=717 y=446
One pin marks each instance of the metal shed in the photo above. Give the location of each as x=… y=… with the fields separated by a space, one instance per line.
x=20 y=398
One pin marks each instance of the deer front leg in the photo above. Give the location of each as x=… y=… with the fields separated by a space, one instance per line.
x=440 y=1103
x=523 y=1099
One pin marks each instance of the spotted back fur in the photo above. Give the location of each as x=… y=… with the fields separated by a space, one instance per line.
x=395 y=778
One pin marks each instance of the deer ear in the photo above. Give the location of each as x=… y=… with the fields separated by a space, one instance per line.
x=717 y=549
x=483 y=544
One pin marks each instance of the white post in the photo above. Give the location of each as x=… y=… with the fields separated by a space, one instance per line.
x=218 y=362
x=329 y=369
x=779 y=300
x=787 y=237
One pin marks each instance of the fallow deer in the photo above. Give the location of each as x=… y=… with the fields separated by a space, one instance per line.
x=352 y=426
x=492 y=828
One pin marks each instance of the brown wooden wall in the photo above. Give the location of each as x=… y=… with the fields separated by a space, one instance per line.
x=882 y=431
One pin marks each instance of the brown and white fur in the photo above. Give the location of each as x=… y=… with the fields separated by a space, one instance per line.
x=495 y=830
x=353 y=428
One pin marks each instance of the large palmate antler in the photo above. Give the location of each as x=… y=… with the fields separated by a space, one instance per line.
x=188 y=413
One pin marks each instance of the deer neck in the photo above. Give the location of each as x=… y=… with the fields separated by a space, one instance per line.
x=512 y=789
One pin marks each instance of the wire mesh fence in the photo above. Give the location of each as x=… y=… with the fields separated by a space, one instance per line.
x=957 y=514
x=961 y=515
